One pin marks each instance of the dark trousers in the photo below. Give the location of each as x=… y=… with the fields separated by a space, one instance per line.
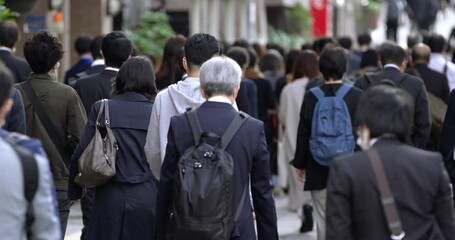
x=392 y=27
x=87 y=202
x=64 y=205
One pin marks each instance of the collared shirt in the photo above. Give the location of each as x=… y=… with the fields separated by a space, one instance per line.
x=438 y=63
x=97 y=62
x=391 y=66
x=223 y=99
x=112 y=69
x=6 y=49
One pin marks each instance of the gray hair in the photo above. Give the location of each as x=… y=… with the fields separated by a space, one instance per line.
x=220 y=75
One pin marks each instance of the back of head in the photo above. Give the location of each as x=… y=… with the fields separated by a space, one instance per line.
x=437 y=43
x=199 y=48
x=364 y=39
x=332 y=63
x=240 y=55
x=369 y=59
x=278 y=48
x=171 y=53
x=271 y=61
x=82 y=44
x=322 y=42
x=220 y=76
x=290 y=60
x=6 y=84
x=9 y=34
x=386 y=109
x=413 y=39
x=42 y=52
x=116 y=48
x=253 y=57
x=345 y=42
x=391 y=54
x=306 y=65
x=421 y=53
x=241 y=43
x=95 y=47
x=135 y=75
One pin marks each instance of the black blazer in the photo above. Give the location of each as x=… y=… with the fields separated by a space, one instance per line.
x=251 y=162
x=95 y=87
x=435 y=82
x=18 y=66
x=448 y=128
x=415 y=87
x=15 y=119
x=418 y=183
x=82 y=65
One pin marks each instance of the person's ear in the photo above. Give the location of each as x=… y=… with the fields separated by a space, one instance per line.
x=236 y=92
x=203 y=93
x=185 y=64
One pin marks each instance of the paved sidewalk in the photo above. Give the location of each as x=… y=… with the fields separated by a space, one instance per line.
x=288 y=223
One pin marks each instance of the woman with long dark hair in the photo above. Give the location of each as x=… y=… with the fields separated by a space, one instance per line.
x=124 y=207
x=169 y=71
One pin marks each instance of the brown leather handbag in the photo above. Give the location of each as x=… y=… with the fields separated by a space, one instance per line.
x=97 y=162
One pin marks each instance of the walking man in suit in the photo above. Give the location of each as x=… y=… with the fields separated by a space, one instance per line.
x=417 y=178
x=82 y=46
x=220 y=82
x=9 y=35
x=393 y=60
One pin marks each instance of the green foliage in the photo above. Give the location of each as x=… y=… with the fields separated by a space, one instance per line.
x=6 y=14
x=298 y=19
x=286 y=40
x=374 y=5
x=151 y=33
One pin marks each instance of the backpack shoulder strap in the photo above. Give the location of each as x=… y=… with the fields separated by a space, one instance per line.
x=242 y=201
x=30 y=178
x=232 y=129
x=196 y=129
x=343 y=90
x=401 y=81
x=317 y=91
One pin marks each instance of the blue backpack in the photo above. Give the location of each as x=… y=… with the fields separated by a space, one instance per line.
x=331 y=128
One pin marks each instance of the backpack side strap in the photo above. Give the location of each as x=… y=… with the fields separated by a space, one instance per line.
x=242 y=201
x=343 y=90
x=233 y=128
x=196 y=129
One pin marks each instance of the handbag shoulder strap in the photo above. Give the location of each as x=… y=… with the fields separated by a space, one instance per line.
x=44 y=118
x=388 y=202
x=107 y=119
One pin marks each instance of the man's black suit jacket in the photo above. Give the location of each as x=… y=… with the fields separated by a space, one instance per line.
x=435 y=82
x=251 y=161
x=416 y=88
x=95 y=87
x=18 y=66
x=418 y=182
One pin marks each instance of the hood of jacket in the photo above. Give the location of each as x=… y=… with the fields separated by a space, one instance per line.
x=185 y=94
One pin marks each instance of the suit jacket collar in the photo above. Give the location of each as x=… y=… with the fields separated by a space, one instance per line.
x=131 y=96
x=387 y=141
x=391 y=70
x=222 y=105
x=41 y=76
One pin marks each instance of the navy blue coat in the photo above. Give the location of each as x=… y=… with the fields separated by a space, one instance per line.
x=124 y=207
x=82 y=65
x=15 y=119
x=248 y=148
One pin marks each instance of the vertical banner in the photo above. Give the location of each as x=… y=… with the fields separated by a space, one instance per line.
x=319 y=15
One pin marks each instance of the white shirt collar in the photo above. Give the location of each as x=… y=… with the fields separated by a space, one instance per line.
x=223 y=99
x=6 y=49
x=390 y=65
x=97 y=62
x=112 y=69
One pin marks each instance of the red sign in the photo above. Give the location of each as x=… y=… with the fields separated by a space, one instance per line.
x=319 y=14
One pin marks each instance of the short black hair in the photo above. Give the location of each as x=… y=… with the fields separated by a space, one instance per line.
x=6 y=84
x=320 y=44
x=364 y=39
x=42 y=51
x=95 y=47
x=386 y=109
x=82 y=44
x=369 y=59
x=413 y=39
x=240 y=55
x=135 y=75
x=271 y=61
x=116 y=48
x=391 y=53
x=9 y=34
x=437 y=43
x=333 y=63
x=241 y=43
x=345 y=42
x=199 y=48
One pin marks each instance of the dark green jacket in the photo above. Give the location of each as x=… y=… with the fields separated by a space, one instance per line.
x=67 y=114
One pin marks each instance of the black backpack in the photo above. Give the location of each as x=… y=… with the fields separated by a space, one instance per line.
x=203 y=194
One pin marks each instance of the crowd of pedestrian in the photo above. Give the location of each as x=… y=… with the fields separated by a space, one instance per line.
x=361 y=139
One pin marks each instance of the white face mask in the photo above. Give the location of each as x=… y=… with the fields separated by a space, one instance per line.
x=363 y=137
